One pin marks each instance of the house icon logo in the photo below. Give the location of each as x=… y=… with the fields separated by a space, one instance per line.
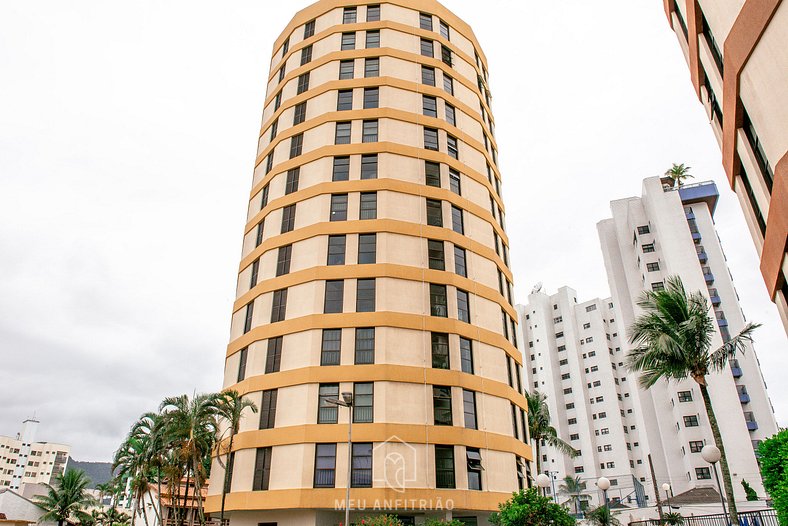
x=399 y=464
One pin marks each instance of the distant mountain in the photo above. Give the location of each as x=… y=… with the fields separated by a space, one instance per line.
x=97 y=472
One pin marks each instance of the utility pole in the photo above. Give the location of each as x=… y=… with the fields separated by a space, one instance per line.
x=656 y=489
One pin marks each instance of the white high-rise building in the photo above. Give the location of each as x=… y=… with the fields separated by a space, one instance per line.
x=670 y=231
x=25 y=461
x=574 y=355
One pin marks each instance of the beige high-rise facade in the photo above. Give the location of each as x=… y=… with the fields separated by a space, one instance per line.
x=375 y=265
x=738 y=60
x=23 y=461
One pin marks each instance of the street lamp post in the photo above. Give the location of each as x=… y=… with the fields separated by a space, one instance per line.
x=552 y=475
x=347 y=401
x=666 y=489
x=712 y=455
x=543 y=481
x=604 y=484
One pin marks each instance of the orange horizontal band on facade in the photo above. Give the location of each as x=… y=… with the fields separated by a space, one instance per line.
x=374 y=270
x=321 y=8
x=361 y=226
x=380 y=373
x=371 y=185
x=348 y=54
x=417 y=322
x=370 y=26
x=377 y=147
x=376 y=113
x=364 y=82
x=409 y=433
x=327 y=498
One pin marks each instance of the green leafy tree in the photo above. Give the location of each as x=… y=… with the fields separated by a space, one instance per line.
x=528 y=508
x=678 y=172
x=673 y=338
x=540 y=428
x=752 y=495
x=443 y=522
x=602 y=516
x=66 y=500
x=575 y=489
x=774 y=470
x=231 y=409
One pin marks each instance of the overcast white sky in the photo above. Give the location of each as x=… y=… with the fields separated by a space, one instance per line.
x=127 y=140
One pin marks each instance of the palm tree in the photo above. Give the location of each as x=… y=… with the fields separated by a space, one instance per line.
x=231 y=408
x=574 y=488
x=190 y=427
x=673 y=519
x=673 y=338
x=148 y=429
x=678 y=172
x=67 y=499
x=601 y=516
x=540 y=429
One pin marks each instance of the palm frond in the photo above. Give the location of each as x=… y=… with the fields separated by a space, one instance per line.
x=718 y=359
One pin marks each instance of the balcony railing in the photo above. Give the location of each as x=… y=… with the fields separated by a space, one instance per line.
x=361 y=478
x=707 y=274
x=735 y=369
x=714 y=296
x=324 y=478
x=749 y=417
x=746 y=518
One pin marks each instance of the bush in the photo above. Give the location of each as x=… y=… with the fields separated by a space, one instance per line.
x=443 y=522
x=774 y=469
x=673 y=519
x=751 y=494
x=528 y=508
x=601 y=516
x=379 y=520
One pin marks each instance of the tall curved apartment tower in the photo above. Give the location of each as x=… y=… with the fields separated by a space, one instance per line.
x=375 y=262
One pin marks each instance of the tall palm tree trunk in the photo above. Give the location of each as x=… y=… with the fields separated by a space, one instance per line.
x=226 y=478
x=144 y=513
x=158 y=497
x=538 y=457
x=134 y=505
x=196 y=461
x=726 y=474
x=185 y=509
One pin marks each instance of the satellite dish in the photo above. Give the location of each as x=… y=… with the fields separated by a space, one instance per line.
x=537 y=288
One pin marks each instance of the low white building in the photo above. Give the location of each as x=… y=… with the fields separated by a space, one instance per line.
x=19 y=509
